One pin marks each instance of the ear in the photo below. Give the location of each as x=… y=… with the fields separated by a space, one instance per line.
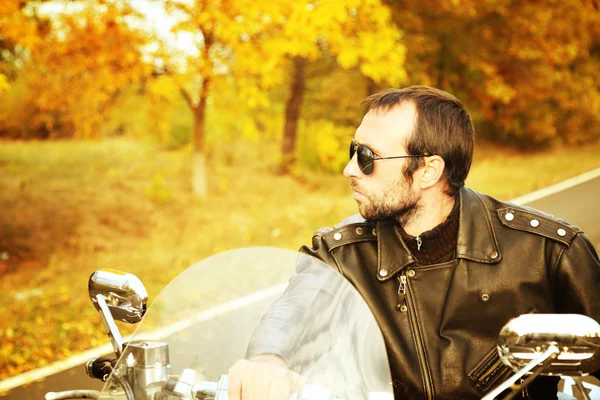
x=432 y=172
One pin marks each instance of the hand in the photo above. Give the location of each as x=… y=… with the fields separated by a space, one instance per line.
x=264 y=377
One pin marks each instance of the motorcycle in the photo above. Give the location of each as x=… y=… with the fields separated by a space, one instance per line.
x=547 y=344
x=203 y=321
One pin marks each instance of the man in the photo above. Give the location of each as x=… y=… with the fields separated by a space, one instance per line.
x=442 y=267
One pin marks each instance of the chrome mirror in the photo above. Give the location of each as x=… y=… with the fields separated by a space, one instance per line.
x=548 y=344
x=124 y=294
x=576 y=336
x=117 y=296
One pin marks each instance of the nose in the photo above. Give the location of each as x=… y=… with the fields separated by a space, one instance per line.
x=351 y=170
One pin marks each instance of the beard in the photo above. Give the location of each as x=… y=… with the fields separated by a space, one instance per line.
x=396 y=202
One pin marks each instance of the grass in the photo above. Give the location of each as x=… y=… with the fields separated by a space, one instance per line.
x=69 y=208
x=507 y=174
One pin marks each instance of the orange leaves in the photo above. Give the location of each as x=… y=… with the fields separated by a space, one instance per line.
x=75 y=77
x=519 y=66
x=511 y=61
x=4 y=85
x=17 y=24
x=43 y=339
x=331 y=146
x=19 y=32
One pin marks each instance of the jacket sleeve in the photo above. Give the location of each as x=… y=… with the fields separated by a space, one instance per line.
x=577 y=277
x=310 y=289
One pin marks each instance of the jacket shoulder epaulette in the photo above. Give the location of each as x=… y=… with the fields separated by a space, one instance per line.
x=353 y=229
x=534 y=221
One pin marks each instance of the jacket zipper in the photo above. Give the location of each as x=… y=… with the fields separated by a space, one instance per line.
x=401 y=304
x=412 y=317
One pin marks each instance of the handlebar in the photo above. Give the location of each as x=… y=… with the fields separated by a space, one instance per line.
x=100 y=367
x=216 y=391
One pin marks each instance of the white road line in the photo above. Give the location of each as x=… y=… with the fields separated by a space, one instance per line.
x=78 y=359
x=569 y=183
x=54 y=368
x=59 y=366
x=217 y=311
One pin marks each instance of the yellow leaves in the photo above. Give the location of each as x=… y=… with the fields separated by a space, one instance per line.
x=252 y=42
x=16 y=25
x=348 y=58
x=131 y=57
x=164 y=87
x=333 y=140
x=357 y=33
x=496 y=88
x=387 y=66
x=31 y=332
x=4 y=85
x=162 y=93
x=9 y=333
x=76 y=76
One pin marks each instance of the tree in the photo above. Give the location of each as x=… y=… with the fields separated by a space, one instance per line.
x=528 y=70
x=264 y=44
x=74 y=73
x=21 y=30
x=224 y=32
x=356 y=34
x=92 y=55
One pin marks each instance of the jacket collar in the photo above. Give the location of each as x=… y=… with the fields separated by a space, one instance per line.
x=476 y=238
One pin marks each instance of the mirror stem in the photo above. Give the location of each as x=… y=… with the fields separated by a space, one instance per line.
x=111 y=327
x=542 y=361
x=579 y=385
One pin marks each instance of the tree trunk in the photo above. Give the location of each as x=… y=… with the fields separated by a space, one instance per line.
x=292 y=115
x=199 y=181
x=199 y=177
x=371 y=86
x=441 y=78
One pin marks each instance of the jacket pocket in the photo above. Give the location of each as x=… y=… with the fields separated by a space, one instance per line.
x=489 y=372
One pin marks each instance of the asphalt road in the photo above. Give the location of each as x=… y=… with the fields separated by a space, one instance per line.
x=222 y=340
x=580 y=205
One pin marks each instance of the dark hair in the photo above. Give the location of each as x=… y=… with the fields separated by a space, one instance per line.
x=443 y=127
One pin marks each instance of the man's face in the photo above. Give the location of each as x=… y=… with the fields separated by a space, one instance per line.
x=385 y=193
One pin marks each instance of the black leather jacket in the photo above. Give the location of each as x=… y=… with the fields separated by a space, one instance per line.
x=509 y=260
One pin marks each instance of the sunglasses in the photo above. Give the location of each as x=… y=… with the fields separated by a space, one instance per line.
x=365 y=157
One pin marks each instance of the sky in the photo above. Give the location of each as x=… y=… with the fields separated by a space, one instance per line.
x=155 y=20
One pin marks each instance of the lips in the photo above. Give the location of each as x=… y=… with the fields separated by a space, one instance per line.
x=355 y=187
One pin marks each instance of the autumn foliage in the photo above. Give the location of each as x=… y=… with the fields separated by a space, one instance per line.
x=527 y=70
x=242 y=88
x=72 y=75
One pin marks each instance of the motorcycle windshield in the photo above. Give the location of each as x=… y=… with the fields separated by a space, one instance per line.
x=251 y=301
